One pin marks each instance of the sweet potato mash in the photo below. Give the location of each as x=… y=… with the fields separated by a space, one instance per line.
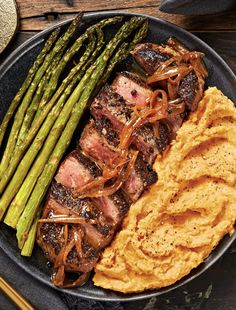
x=175 y=226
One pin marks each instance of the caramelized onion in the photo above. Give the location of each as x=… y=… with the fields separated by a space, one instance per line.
x=121 y=178
x=181 y=70
x=59 y=276
x=175 y=107
x=68 y=220
x=156 y=110
x=176 y=45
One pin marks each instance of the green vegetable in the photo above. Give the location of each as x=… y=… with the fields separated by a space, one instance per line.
x=91 y=78
x=19 y=117
x=17 y=99
x=29 y=243
x=18 y=178
x=38 y=96
x=58 y=113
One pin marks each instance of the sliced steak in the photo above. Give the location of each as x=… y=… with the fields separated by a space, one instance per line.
x=95 y=228
x=132 y=88
x=106 y=129
x=50 y=237
x=149 y=143
x=140 y=179
x=115 y=206
x=77 y=170
x=111 y=105
x=188 y=89
x=86 y=208
x=96 y=146
x=149 y=56
x=110 y=118
x=164 y=138
x=145 y=141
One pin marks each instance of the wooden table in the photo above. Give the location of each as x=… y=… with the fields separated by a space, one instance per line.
x=216 y=289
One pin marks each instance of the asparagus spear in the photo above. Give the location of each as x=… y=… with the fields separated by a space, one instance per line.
x=60 y=45
x=38 y=96
x=64 y=90
x=25 y=164
x=95 y=72
x=15 y=102
x=29 y=243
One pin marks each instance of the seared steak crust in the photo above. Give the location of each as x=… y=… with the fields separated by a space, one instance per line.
x=147 y=174
x=85 y=208
x=92 y=167
x=187 y=89
x=51 y=234
x=121 y=201
x=105 y=128
x=110 y=104
x=164 y=137
x=149 y=56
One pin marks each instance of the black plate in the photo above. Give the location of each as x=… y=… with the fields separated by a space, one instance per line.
x=12 y=73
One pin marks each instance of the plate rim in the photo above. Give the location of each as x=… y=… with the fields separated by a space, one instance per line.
x=12 y=58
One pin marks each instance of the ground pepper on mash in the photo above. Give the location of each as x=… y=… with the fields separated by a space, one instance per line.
x=175 y=226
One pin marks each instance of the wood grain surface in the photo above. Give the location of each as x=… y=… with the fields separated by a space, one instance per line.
x=38 y=15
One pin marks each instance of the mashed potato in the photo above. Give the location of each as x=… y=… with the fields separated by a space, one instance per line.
x=177 y=224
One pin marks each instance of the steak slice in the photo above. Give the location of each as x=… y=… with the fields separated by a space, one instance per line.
x=96 y=230
x=132 y=88
x=111 y=105
x=149 y=144
x=50 y=237
x=140 y=179
x=96 y=146
x=114 y=206
x=188 y=89
x=164 y=138
x=95 y=235
x=85 y=208
x=149 y=56
x=110 y=119
x=106 y=129
x=77 y=170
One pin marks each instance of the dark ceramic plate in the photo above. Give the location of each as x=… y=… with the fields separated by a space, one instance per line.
x=12 y=73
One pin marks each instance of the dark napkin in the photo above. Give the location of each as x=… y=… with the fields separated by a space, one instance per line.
x=196 y=7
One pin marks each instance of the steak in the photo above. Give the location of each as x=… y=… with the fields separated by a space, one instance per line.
x=132 y=88
x=188 y=88
x=141 y=177
x=73 y=229
x=77 y=170
x=115 y=206
x=105 y=128
x=110 y=118
x=150 y=56
x=111 y=105
x=96 y=146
